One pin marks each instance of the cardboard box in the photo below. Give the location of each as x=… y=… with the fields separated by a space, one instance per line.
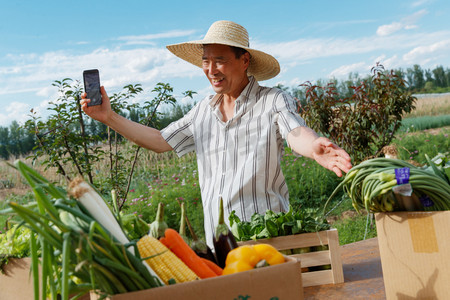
x=332 y=256
x=17 y=282
x=415 y=254
x=279 y=282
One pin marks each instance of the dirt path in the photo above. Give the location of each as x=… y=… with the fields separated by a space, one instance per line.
x=16 y=191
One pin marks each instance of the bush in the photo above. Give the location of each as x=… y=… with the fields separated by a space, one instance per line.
x=366 y=121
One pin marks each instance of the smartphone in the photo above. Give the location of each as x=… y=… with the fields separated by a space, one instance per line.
x=91 y=80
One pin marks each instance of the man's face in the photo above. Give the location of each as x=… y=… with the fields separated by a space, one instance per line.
x=226 y=73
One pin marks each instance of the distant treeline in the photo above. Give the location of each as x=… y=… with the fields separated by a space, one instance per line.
x=17 y=141
x=419 y=81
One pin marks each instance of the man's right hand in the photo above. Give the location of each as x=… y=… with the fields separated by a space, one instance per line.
x=101 y=112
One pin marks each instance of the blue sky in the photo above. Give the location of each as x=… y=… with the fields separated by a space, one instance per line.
x=43 y=41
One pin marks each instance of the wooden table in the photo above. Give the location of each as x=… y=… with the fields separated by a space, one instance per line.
x=363 y=277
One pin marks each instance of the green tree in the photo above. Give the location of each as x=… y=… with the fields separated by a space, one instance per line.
x=447 y=76
x=428 y=76
x=418 y=77
x=440 y=78
x=4 y=142
x=15 y=136
x=410 y=78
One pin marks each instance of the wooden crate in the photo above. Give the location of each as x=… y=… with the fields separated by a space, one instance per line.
x=332 y=256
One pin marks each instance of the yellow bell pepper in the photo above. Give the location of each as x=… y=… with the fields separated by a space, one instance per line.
x=271 y=255
x=247 y=257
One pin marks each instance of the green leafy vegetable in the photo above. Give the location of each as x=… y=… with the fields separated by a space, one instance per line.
x=14 y=243
x=273 y=224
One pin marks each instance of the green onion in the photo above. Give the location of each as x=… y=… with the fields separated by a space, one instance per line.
x=81 y=247
x=369 y=185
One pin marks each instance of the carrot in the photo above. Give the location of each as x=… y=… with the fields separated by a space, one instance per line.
x=177 y=245
x=216 y=269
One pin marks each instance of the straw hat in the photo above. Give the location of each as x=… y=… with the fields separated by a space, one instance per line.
x=262 y=65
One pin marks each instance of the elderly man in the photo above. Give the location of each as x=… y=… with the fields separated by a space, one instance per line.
x=238 y=133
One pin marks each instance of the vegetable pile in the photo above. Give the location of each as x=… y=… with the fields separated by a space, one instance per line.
x=385 y=185
x=81 y=246
x=273 y=224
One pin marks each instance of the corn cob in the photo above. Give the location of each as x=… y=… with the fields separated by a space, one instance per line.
x=163 y=261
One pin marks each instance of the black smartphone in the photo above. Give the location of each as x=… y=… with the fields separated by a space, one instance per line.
x=91 y=80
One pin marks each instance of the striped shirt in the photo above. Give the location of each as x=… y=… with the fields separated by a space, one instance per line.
x=238 y=159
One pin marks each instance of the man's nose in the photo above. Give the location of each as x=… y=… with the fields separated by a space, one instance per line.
x=212 y=68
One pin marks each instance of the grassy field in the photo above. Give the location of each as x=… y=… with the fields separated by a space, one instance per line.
x=166 y=178
x=431 y=106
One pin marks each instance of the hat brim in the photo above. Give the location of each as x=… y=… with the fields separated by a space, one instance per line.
x=262 y=66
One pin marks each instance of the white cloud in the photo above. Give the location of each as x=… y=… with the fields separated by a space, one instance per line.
x=343 y=71
x=421 y=2
x=302 y=51
x=145 y=39
x=364 y=67
x=425 y=54
x=34 y=73
x=414 y=18
x=31 y=76
x=385 y=30
x=14 y=111
x=406 y=23
x=295 y=82
x=392 y=62
x=117 y=68
x=149 y=65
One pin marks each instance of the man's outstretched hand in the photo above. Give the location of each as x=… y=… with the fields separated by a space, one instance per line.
x=331 y=156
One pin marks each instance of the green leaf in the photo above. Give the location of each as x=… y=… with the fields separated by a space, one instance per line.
x=271 y=228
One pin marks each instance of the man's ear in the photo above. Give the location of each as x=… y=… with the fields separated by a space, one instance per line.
x=246 y=59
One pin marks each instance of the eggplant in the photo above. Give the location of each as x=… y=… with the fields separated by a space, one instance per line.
x=201 y=248
x=224 y=241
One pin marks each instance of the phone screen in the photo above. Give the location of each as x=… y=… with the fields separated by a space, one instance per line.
x=92 y=87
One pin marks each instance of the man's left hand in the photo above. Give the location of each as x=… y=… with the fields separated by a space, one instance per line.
x=331 y=156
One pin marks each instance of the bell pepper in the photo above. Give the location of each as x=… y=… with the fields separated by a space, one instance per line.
x=248 y=257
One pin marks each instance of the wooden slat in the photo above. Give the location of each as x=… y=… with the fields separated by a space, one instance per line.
x=294 y=241
x=335 y=256
x=317 y=278
x=313 y=259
